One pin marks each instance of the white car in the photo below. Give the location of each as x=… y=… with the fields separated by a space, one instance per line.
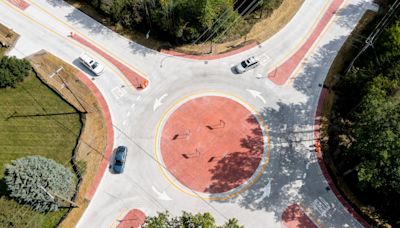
x=246 y=65
x=90 y=63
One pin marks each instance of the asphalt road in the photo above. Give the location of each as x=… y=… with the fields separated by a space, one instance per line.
x=292 y=175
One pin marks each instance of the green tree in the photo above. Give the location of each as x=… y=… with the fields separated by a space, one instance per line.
x=377 y=134
x=187 y=220
x=13 y=71
x=35 y=181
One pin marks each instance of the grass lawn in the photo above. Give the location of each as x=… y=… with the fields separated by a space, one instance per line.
x=2 y=51
x=35 y=121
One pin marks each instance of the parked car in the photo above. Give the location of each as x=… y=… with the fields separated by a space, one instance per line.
x=246 y=65
x=119 y=159
x=91 y=64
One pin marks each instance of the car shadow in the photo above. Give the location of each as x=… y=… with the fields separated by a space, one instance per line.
x=111 y=162
x=234 y=71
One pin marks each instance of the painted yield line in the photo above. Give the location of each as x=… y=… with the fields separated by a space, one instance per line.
x=134 y=78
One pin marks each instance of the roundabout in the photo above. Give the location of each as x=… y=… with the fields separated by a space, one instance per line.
x=197 y=135
x=212 y=146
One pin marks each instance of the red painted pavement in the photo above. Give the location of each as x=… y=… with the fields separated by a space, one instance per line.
x=21 y=4
x=317 y=125
x=210 y=57
x=110 y=134
x=281 y=74
x=134 y=219
x=212 y=144
x=134 y=78
x=294 y=217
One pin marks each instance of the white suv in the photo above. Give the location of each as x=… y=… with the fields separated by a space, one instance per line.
x=90 y=63
x=247 y=64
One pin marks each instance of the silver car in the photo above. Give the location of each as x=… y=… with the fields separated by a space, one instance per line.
x=246 y=65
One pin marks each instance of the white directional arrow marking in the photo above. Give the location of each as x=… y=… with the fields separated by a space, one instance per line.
x=267 y=192
x=256 y=94
x=161 y=196
x=158 y=102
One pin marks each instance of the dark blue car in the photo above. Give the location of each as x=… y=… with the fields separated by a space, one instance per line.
x=119 y=159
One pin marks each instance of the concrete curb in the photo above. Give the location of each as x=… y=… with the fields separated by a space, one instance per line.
x=134 y=78
x=110 y=134
x=210 y=57
x=282 y=73
x=318 y=151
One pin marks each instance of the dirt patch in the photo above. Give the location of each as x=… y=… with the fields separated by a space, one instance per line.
x=8 y=38
x=92 y=142
x=261 y=31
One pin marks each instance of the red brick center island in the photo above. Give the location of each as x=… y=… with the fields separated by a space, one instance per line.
x=212 y=144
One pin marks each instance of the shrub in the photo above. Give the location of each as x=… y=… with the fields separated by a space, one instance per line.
x=35 y=181
x=13 y=71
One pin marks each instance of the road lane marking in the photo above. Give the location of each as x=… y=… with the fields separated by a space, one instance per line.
x=266 y=194
x=158 y=101
x=257 y=94
x=118 y=217
x=118 y=92
x=87 y=37
x=312 y=49
x=75 y=44
x=321 y=206
x=161 y=195
x=302 y=41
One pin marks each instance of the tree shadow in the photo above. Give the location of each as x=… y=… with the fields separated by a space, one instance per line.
x=56 y=3
x=345 y=17
x=96 y=28
x=235 y=168
x=226 y=174
x=3 y=188
x=293 y=175
x=295 y=214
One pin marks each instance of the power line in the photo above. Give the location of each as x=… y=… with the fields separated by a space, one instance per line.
x=245 y=14
x=212 y=25
x=215 y=30
x=371 y=39
x=164 y=167
x=146 y=152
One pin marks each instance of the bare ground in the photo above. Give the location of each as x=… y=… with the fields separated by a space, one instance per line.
x=8 y=38
x=92 y=142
